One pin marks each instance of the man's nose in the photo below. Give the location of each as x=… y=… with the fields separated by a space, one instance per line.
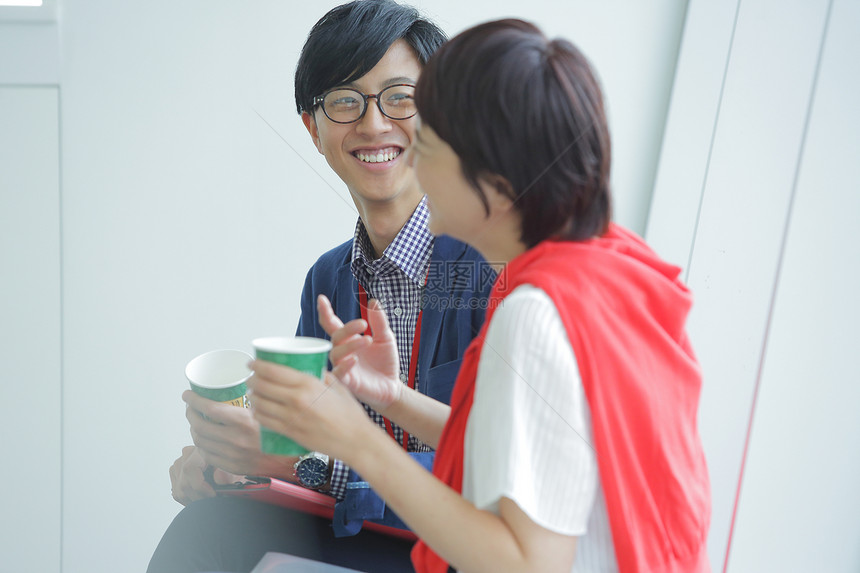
x=373 y=121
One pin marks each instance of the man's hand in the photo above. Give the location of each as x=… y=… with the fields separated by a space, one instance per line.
x=187 y=481
x=228 y=438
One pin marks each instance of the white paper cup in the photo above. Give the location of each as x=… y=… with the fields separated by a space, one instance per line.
x=221 y=375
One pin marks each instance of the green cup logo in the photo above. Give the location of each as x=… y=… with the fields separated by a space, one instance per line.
x=221 y=375
x=306 y=354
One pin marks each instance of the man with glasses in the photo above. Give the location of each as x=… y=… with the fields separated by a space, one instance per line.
x=354 y=88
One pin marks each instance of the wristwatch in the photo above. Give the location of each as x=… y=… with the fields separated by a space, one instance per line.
x=313 y=470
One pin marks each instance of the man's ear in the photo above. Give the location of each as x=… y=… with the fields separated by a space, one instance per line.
x=311 y=125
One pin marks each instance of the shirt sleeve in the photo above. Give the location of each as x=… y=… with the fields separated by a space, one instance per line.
x=339 y=477
x=528 y=437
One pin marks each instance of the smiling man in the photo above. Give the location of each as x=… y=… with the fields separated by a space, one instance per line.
x=354 y=84
x=363 y=127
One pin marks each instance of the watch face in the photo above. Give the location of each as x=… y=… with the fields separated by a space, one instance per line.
x=312 y=472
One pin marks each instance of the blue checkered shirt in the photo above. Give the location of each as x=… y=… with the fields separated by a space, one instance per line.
x=395 y=279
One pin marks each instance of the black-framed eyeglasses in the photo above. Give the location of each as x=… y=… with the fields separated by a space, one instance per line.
x=346 y=105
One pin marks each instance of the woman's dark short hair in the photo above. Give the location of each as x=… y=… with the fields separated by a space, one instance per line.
x=350 y=40
x=512 y=103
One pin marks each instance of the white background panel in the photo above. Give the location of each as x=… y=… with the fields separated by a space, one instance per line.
x=695 y=105
x=791 y=330
x=744 y=208
x=800 y=506
x=30 y=318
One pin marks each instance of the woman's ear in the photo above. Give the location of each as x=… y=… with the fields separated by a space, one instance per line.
x=498 y=191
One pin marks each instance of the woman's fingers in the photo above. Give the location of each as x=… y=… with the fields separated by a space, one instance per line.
x=276 y=389
x=378 y=322
x=343 y=367
x=330 y=321
x=278 y=373
x=338 y=353
x=327 y=318
x=351 y=329
x=269 y=414
x=267 y=391
x=293 y=411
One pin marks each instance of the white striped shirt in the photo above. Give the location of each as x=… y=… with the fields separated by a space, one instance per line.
x=528 y=437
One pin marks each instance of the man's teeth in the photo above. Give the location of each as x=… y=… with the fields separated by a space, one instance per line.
x=378 y=157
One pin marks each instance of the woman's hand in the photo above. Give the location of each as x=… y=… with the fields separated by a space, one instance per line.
x=321 y=415
x=368 y=366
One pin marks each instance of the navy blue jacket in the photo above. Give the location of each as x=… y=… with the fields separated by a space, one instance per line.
x=453 y=303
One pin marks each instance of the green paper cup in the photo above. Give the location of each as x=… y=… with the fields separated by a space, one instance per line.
x=306 y=354
x=221 y=375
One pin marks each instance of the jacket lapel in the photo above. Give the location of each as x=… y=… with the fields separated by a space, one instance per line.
x=346 y=295
x=439 y=281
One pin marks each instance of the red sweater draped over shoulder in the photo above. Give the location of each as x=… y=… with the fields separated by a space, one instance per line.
x=624 y=311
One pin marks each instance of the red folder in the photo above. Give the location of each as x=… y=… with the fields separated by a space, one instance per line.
x=292 y=496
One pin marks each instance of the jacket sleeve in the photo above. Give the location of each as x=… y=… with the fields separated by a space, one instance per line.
x=309 y=326
x=308 y=321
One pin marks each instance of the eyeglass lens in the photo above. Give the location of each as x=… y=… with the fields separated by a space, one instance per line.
x=347 y=105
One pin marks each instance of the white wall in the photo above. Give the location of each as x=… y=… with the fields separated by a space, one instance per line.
x=30 y=328
x=756 y=197
x=800 y=483
x=188 y=223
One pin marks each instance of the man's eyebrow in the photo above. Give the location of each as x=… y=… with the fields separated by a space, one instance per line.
x=400 y=80
x=386 y=83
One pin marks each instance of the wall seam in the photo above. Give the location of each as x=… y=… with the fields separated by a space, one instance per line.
x=778 y=275
x=711 y=146
x=62 y=321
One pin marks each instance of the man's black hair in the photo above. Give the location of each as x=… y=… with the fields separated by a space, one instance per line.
x=350 y=40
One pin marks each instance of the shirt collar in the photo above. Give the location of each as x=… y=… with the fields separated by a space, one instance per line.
x=409 y=251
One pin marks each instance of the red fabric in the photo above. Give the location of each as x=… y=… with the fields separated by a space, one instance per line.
x=624 y=312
